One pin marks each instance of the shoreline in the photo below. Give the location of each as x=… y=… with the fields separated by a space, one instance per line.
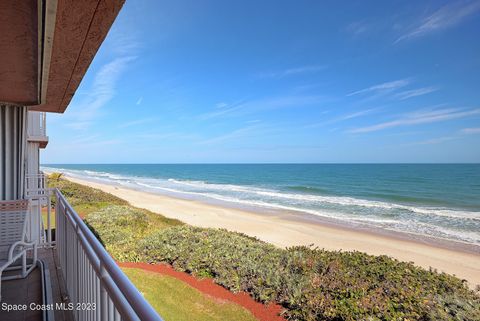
x=284 y=230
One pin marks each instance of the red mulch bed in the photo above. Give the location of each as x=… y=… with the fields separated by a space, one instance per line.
x=262 y=312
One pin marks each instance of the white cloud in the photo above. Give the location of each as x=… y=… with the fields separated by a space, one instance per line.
x=221 y=105
x=224 y=109
x=123 y=48
x=383 y=88
x=353 y=115
x=253 y=106
x=471 y=130
x=159 y=136
x=357 y=28
x=91 y=141
x=420 y=117
x=443 y=18
x=253 y=131
x=101 y=92
x=435 y=140
x=357 y=114
x=238 y=133
x=137 y=122
x=139 y=101
x=84 y=139
x=79 y=125
x=293 y=71
x=105 y=81
x=415 y=92
x=122 y=40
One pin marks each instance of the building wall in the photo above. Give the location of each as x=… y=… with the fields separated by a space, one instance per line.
x=32 y=158
x=12 y=151
x=19 y=157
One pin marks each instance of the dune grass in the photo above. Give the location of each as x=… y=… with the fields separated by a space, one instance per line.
x=84 y=199
x=175 y=300
x=125 y=227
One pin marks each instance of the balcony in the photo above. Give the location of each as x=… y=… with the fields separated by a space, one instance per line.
x=44 y=286
x=35 y=185
x=36 y=128
x=76 y=277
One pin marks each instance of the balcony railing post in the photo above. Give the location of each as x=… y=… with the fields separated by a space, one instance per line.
x=77 y=270
x=103 y=294
x=49 y=223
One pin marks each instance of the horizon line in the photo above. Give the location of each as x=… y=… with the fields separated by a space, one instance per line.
x=280 y=163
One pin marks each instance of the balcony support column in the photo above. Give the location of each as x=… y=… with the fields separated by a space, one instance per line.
x=12 y=151
x=33 y=187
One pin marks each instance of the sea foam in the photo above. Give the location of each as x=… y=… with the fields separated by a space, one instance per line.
x=434 y=221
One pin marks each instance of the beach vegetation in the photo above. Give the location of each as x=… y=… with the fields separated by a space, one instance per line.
x=121 y=227
x=84 y=199
x=310 y=283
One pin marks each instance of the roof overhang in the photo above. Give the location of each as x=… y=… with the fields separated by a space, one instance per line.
x=47 y=46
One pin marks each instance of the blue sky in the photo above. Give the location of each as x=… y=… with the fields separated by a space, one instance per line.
x=279 y=81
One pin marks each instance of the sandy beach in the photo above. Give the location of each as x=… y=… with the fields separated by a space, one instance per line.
x=284 y=232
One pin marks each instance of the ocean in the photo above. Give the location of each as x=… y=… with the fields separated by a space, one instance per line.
x=439 y=201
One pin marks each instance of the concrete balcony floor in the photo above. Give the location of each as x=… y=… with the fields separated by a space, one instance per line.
x=29 y=290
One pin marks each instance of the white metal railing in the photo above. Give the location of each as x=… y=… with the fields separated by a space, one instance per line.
x=43 y=123
x=41 y=205
x=37 y=124
x=35 y=184
x=94 y=281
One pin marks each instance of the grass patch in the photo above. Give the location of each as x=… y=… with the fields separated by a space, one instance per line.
x=45 y=219
x=175 y=300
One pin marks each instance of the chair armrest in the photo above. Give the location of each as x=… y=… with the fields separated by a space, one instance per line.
x=19 y=243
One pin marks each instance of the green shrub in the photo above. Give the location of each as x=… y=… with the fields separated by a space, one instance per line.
x=314 y=284
x=120 y=227
x=228 y=257
x=55 y=176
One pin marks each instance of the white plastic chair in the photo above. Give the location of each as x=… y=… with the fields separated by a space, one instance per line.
x=13 y=244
